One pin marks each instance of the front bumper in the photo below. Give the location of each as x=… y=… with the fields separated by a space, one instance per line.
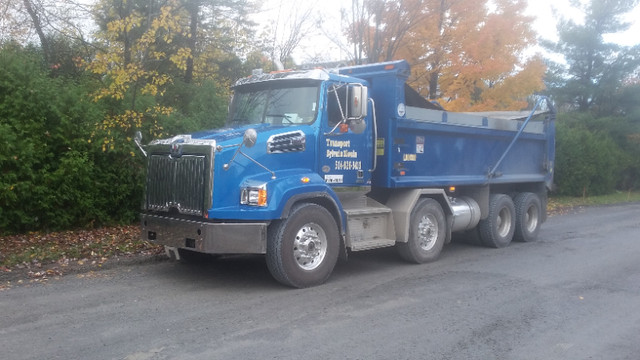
x=212 y=238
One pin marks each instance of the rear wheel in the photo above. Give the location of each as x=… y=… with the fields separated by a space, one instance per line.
x=302 y=250
x=528 y=217
x=427 y=232
x=497 y=229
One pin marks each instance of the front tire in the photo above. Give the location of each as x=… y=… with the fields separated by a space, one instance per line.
x=302 y=249
x=427 y=232
x=497 y=229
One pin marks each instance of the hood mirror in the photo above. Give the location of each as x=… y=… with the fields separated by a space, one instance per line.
x=138 y=140
x=250 y=137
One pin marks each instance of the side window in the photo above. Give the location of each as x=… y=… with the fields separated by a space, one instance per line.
x=336 y=104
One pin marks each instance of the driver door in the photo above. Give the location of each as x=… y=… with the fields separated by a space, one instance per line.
x=346 y=144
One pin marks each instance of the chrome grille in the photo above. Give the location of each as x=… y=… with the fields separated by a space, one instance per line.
x=179 y=183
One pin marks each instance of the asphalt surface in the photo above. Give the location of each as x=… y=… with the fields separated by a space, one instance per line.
x=573 y=294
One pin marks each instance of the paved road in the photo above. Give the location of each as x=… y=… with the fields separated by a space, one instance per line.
x=574 y=294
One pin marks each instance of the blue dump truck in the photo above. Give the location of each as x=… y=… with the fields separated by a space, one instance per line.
x=315 y=164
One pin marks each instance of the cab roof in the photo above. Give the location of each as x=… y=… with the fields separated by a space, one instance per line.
x=319 y=74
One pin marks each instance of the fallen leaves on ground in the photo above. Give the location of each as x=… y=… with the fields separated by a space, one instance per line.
x=555 y=207
x=42 y=256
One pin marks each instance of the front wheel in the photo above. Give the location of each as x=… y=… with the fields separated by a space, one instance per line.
x=302 y=250
x=497 y=229
x=427 y=232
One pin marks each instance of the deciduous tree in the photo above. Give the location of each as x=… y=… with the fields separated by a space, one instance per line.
x=468 y=55
x=219 y=31
x=48 y=21
x=136 y=64
x=378 y=27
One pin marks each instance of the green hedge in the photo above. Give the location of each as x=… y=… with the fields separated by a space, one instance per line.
x=52 y=177
x=594 y=156
x=54 y=172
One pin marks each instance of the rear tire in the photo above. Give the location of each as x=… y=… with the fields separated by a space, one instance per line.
x=528 y=217
x=497 y=229
x=302 y=250
x=427 y=232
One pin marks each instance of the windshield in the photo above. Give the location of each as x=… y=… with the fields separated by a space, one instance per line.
x=275 y=104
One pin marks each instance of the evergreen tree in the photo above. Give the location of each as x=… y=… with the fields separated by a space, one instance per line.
x=594 y=69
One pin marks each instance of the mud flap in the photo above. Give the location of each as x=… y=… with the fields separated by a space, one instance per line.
x=172 y=253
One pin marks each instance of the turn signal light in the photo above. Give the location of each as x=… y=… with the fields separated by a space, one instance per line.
x=256 y=196
x=262 y=197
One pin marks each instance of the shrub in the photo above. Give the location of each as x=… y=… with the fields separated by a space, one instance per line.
x=55 y=173
x=53 y=177
x=587 y=162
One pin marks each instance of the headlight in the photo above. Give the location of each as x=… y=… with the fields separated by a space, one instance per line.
x=254 y=196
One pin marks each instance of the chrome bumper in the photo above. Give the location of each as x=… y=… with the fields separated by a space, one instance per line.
x=212 y=238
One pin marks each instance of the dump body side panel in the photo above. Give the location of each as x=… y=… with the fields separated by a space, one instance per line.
x=431 y=154
x=419 y=147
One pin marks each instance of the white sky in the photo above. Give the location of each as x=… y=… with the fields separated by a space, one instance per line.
x=545 y=21
x=544 y=24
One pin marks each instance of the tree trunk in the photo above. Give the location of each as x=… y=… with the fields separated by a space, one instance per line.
x=433 y=84
x=38 y=26
x=193 y=9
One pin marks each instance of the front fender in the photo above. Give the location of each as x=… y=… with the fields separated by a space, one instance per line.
x=300 y=187
x=288 y=188
x=316 y=191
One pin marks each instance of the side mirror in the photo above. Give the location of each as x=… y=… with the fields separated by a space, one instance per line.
x=357 y=126
x=358 y=96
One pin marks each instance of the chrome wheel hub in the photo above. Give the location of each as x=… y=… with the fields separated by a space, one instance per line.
x=531 y=219
x=504 y=222
x=310 y=246
x=427 y=232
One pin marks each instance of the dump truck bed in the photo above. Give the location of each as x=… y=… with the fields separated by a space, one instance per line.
x=421 y=145
x=433 y=148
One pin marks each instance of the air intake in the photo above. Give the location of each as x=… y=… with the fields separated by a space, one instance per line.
x=287 y=142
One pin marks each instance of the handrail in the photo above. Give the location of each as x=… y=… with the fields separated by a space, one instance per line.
x=492 y=173
x=375 y=137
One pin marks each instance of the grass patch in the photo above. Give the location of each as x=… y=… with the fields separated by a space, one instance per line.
x=559 y=203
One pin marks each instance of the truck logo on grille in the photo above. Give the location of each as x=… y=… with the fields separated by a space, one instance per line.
x=176 y=148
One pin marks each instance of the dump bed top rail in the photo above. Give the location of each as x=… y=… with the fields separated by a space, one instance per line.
x=510 y=121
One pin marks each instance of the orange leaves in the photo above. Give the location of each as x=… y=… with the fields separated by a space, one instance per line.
x=468 y=54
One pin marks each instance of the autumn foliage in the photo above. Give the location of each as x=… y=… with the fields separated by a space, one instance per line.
x=467 y=55
x=133 y=62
